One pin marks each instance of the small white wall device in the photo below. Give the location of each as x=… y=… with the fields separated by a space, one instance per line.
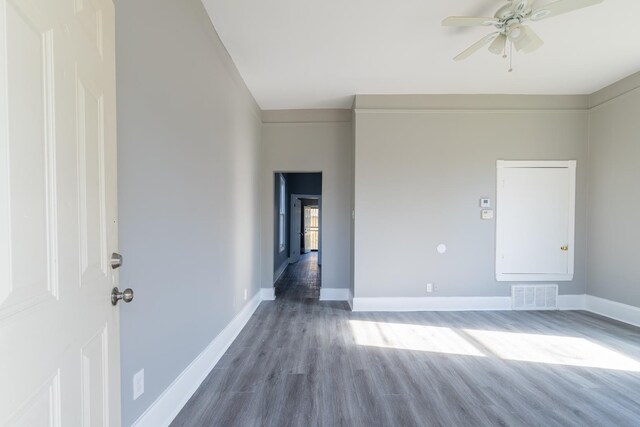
x=486 y=214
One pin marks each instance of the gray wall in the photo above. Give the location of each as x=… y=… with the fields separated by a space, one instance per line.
x=419 y=175
x=310 y=142
x=188 y=141
x=614 y=197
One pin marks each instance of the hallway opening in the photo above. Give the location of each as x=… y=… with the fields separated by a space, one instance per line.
x=297 y=235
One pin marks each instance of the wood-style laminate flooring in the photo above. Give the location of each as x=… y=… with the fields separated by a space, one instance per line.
x=300 y=281
x=301 y=362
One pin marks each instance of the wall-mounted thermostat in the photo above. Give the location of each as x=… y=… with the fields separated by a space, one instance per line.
x=486 y=214
x=485 y=202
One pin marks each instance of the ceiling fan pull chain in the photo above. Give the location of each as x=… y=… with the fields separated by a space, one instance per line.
x=511 y=57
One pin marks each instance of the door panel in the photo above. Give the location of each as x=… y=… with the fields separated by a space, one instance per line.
x=42 y=409
x=91 y=169
x=294 y=247
x=535 y=223
x=28 y=175
x=59 y=362
x=534 y=208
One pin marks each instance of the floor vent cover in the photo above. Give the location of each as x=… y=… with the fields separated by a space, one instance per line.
x=534 y=297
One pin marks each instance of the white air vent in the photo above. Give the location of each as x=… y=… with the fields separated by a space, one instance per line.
x=534 y=297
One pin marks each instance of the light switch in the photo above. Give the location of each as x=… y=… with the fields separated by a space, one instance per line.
x=485 y=202
x=487 y=214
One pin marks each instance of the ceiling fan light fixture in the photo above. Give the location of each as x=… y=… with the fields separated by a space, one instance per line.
x=524 y=38
x=515 y=33
x=498 y=45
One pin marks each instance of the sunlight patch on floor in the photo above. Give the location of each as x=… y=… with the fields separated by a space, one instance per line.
x=534 y=348
x=552 y=349
x=411 y=337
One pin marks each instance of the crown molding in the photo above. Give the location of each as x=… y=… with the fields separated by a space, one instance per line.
x=307 y=116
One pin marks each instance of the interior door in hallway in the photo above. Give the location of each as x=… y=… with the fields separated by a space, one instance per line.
x=59 y=361
x=296 y=231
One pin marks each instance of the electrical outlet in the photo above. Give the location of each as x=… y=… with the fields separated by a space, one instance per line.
x=245 y=294
x=138 y=384
x=429 y=287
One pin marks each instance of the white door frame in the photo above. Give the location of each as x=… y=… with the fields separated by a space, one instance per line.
x=294 y=229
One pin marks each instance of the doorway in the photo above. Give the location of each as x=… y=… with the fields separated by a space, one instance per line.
x=311 y=227
x=297 y=235
x=305 y=231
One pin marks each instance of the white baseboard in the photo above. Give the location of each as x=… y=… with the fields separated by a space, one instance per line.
x=280 y=270
x=572 y=302
x=334 y=294
x=565 y=302
x=432 y=304
x=268 y=294
x=613 y=310
x=172 y=400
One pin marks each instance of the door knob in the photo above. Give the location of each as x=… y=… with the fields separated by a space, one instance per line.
x=116 y=295
x=564 y=247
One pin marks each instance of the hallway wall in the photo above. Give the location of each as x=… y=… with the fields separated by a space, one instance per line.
x=614 y=195
x=189 y=161
x=301 y=141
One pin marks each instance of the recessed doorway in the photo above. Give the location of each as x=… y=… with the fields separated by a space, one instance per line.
x=297 y=235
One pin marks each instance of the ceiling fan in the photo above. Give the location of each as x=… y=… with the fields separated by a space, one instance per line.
x=509 y=21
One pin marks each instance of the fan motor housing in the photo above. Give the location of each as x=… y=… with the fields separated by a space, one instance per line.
x=509 y=11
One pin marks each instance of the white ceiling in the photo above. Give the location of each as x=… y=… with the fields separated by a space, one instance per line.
x=319 y=53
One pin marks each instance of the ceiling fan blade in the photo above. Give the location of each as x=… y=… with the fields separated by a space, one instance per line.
x=476 y=46
x=469 y=21
x=498 y=45
x=525 y=39
x=559 y=7
x=521 y=5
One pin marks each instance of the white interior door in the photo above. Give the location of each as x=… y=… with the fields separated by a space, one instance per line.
x=59 y=358
x=294 y=241
x=535 y=226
